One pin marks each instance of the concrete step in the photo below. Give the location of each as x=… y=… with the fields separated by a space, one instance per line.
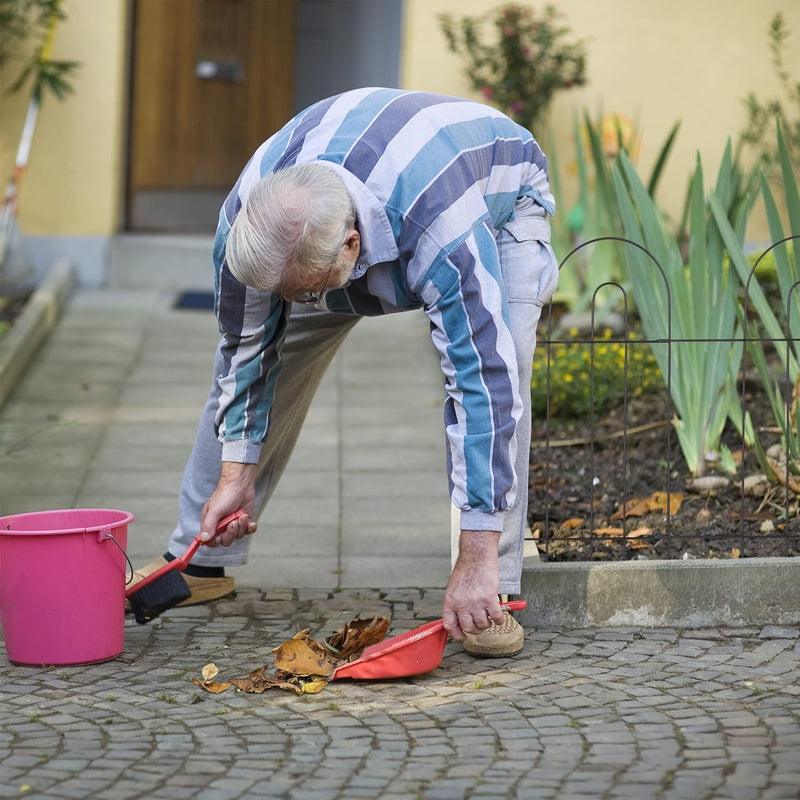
x=174 y=262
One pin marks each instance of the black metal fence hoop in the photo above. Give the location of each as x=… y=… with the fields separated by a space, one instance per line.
x=667 y=341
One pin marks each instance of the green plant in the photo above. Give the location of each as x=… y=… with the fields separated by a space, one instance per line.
x=785 y=111
x=693 y=304
x=781 y=326
x=598 y=143
x=572 y=375
x=528 y=61
x=22 y=21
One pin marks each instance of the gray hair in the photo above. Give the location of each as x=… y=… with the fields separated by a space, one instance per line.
x=294 y=220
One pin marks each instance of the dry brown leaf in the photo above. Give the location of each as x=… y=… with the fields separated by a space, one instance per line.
x=565 y=528
x=785 y=476
x=735 y=552
x=209 y=671
x=637 y=544
x=608 y=531
x=214 y=687
x=255 y=683
x=657 y=501
x=642 y=531
x=258 y=682
x=637 y=507
x=313 y=687
x=351 y=639
x=671 y=503
x=301 y=655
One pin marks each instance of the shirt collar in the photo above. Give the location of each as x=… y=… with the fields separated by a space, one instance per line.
x=377 y=238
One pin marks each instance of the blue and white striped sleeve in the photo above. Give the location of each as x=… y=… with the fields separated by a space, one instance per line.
x=465 y=302
x=252 y=325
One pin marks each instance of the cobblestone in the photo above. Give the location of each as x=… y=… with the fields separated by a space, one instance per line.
x=568 y=717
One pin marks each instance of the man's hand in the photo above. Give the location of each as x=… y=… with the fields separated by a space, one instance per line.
x=235 y=490
x=471 y=600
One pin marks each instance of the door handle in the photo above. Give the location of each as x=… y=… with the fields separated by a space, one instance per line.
x=229 y=71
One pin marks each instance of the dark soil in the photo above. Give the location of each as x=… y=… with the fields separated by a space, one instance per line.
x=10 y=309
x=577 y=493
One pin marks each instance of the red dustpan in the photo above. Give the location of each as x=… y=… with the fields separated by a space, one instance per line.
x=410 y=653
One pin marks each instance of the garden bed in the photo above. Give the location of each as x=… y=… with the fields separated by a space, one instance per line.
x=576 y=493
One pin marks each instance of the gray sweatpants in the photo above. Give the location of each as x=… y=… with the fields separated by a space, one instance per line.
x=313 y=336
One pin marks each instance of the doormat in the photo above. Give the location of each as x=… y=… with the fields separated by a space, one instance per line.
x=196 y=300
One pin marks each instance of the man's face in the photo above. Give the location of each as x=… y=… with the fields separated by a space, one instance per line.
x=335 y=277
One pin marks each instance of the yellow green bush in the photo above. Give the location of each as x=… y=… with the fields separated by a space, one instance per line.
x=571 y=375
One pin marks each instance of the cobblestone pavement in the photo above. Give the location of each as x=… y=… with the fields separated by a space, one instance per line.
x=605 y=713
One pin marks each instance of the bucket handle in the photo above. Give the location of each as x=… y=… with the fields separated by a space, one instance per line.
x=106 y=534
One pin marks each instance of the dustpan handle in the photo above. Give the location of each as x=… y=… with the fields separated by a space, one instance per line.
x=514 y=605
x=187 y=556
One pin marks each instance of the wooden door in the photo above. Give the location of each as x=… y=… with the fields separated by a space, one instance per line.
x=211 y=80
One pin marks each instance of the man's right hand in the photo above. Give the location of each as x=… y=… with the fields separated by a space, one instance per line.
x=471 y=602
x=235 y=490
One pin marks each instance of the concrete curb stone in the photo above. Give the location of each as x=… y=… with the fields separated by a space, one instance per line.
x=34 y=325
x=669 y=593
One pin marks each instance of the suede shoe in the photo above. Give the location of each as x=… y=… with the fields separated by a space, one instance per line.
x=204 y=590
x=497 y=641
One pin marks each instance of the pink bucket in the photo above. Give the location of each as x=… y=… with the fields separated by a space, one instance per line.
x=62 y=585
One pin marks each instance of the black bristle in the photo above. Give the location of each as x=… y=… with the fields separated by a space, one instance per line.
x=159 y=596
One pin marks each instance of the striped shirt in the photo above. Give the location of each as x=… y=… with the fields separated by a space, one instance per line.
x=432 y=179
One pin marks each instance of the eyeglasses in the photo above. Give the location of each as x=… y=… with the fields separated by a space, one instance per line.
x=312 y=298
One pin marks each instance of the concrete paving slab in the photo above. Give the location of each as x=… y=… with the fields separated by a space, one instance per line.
x=309 y=484
x=131 y=434
x=290 y=506
x=324 y=456
x=306 y=571
x=391 y=540
x=396 y=460
x=126 y=484
x=425 y=484
x=378 y=571
x=399 y=508
x=296 y=540
x=23 y=500
x=109 y=455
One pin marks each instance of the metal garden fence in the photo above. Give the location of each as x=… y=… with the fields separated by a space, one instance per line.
x=613 y=484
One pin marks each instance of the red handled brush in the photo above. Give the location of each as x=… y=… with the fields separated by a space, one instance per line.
x=166 y=587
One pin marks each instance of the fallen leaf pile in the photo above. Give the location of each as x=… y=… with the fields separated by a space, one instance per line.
x=303 y=665
x=571 y=532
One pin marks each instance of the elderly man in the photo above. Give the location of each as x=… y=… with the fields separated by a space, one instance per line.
x=367 y=203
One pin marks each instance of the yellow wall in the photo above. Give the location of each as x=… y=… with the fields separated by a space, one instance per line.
x=73 y=183
x=656 y=61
